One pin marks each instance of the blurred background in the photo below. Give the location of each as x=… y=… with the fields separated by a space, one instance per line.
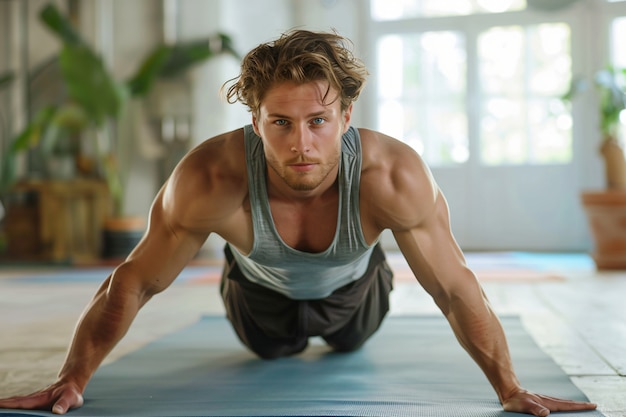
x=516 y=105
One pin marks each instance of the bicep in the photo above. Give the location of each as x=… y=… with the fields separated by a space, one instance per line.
x=164 y=250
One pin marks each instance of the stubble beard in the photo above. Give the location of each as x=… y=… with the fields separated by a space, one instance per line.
x=305 y=181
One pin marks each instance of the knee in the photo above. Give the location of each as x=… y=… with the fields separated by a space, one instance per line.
x=268 y=355
x=270 y=351
x=345 y=345
x=267 y=352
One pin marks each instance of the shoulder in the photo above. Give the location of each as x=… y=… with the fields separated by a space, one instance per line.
x=396 y=184
x=209 y=183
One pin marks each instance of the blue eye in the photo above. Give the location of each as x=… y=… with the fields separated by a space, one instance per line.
x=281 y=122
x=318 y=120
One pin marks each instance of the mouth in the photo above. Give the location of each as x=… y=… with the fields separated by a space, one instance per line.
x=302 y=166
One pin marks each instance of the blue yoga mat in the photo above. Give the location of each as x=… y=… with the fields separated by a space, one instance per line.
x=413 y=366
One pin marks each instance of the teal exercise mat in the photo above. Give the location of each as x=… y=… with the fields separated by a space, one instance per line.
x=413 y=366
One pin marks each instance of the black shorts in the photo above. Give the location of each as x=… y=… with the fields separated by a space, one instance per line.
x=273 y=325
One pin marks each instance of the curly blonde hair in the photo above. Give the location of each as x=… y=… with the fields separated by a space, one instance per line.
x=298 y=56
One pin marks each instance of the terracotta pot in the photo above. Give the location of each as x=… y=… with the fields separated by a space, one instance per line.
x=606 y=211
x=121 y=235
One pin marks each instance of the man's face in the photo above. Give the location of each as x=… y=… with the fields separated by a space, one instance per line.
x=302 y=134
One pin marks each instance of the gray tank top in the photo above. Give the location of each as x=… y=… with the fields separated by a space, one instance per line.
x=296 y=274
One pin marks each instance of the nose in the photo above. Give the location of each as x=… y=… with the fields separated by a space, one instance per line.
x=301 y=140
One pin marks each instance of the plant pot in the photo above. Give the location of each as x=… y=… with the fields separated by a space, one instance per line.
x=121 y=235
x=606 y=212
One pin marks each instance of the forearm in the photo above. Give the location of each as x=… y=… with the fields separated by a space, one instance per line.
x=479 y=331
x=104 y=322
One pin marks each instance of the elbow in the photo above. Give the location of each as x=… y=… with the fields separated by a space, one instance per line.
x=443 y=302
x=463 y=291
x=125 y=289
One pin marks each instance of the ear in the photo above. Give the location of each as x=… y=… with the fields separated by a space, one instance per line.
x=347 y=116
x=255 y=125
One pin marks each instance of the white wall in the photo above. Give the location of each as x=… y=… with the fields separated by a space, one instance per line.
x=136 y=29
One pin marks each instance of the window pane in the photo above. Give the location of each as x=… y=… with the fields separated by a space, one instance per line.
x=421 y=93
x=618 y=55
x=523 y=72
x=618 y=42
x=404 y=9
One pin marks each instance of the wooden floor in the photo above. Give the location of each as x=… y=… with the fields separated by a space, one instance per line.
x=579 y=320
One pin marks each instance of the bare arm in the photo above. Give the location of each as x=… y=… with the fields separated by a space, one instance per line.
x=439 y=266
x=151 y=267
x=191 y=205
x=419 y=220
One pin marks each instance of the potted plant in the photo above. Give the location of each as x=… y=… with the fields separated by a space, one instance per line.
x=95 y=103
x=606 y=209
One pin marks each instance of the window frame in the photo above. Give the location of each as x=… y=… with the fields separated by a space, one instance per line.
x=472 y=26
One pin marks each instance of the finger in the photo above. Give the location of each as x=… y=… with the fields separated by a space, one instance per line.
x=63 y=404
x=527 y=406
x=59 y=408
x=539 y=411
x=9 y=402
x=557 y=404
x=24 y=401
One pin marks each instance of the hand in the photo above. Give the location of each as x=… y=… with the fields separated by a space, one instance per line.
x=59 y=397
x=523 y=401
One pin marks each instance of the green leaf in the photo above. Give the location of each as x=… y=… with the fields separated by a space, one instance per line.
x=71 y=117
x=89 y=83
x=228 y=47
x=170 y=61
x=61 y=129
x=59 y=25
x=611 y=85
x=184 y=55
x=28 y=138
x=141 y=83
x=31 y=134
x=187 y=54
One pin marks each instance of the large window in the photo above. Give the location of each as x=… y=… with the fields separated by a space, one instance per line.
x=523 y=72
x=421 y=90
x=618 y=38
x=473 y=81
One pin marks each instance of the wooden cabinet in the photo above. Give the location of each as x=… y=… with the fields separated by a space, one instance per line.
x=69 y=219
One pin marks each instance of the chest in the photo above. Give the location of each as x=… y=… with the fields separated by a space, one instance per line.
x=308 y=227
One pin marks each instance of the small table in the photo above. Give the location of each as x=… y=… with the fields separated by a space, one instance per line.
x=69 y=217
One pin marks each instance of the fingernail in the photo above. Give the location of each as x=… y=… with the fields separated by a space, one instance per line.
x=57 y=409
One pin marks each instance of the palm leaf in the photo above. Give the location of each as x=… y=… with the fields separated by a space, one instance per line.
x=141 y=83
x=89 y=83
x=59 y=25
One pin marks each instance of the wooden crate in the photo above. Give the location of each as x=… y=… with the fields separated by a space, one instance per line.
x=71 y=215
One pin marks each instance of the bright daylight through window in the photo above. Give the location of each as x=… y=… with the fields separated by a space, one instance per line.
x=523 y=72
x=421 y=89
x=403 y=9
x=519 y=74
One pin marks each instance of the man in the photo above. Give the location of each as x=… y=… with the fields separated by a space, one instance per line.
x=302 y=199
